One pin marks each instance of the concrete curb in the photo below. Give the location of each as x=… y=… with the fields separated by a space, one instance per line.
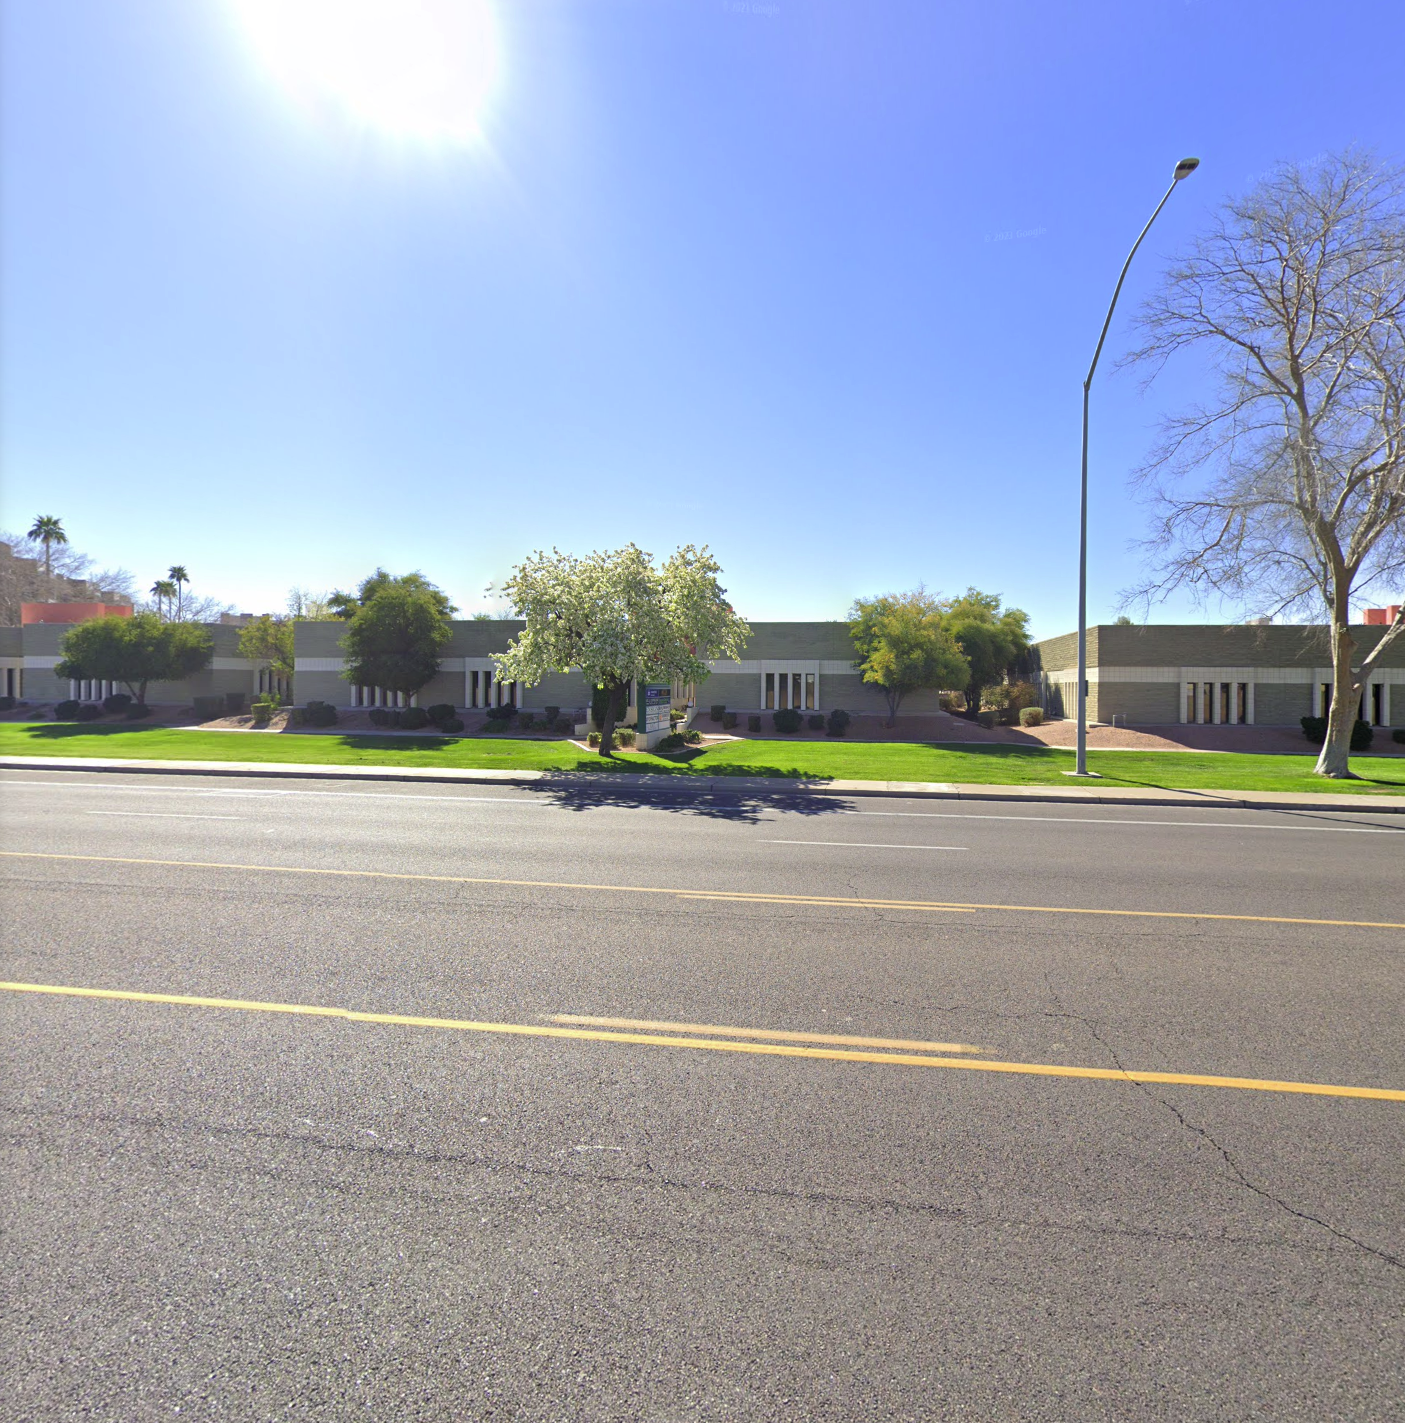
x=637 y=782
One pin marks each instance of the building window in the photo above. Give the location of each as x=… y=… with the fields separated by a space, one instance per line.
x=1190 y=699
x=1241 y=703
x=770 y=698
x=810 y=702
x=1377 y=704
x=269 y=681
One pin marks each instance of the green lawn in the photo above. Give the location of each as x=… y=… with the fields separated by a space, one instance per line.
x=816 y=760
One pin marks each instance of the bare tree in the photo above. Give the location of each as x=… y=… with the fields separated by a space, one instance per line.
x=1298 y=294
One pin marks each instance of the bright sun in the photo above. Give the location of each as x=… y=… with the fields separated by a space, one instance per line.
x=419 y=69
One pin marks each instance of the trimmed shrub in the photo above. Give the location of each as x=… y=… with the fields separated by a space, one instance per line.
x=414 y=718
x=320 y=714
x=717 y=712
x=234 y=703
x=987 y=719
x=729 y=721
x=1315 y=729
x=89 y=711
x=67 y=710
x=624 y=736
x=1398 y=735
x=787 y=720
x=117 y=703
x=527 y=720
x=453 y=726
x=753 y=722
x=380 y=716
x=8 y=703
x=1031 y=716
x=672 y=742
x=815 y=721
x=207 y=708
x=138 y=711
x=551 y=714
x=838 y=722
x=440 y=711
x=694 y=738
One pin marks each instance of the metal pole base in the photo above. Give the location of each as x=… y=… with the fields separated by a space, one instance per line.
x=1085 y=775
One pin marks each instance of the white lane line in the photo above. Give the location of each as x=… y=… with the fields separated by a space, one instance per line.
x=864 y=845
x=165 y=814
x=107 y=786
x=523 y=800
x=1113 y=820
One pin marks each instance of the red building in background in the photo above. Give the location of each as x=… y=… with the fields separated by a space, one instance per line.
x=71 y=612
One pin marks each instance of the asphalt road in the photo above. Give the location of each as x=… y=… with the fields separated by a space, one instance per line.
x=232 y=1210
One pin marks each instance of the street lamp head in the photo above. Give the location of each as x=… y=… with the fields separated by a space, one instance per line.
x=1186 y=167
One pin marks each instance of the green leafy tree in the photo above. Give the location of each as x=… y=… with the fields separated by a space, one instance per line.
x=135 y=651
x=394 y=639
x=991 y=639
x=616 y=617
x=269 y=642
x=345 y=605
x=903 y=645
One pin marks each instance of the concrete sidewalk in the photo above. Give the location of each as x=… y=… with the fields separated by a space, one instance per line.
x=635 y=783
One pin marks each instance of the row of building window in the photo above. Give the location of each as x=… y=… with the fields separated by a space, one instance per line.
x=1220 y=703
x=486 y=691
x=1373 y=706
x=782 y=690
x=84 y=689
x=380 y=697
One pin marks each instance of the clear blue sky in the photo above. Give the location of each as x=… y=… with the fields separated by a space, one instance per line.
x=814 y=283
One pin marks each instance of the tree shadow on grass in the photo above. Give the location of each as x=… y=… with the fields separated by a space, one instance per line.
x=62 y=730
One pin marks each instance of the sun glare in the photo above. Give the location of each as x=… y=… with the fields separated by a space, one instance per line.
x=415 y=69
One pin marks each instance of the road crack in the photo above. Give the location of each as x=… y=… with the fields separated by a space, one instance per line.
x=1237 y=1172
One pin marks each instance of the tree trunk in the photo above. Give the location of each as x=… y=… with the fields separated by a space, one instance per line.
x=1333 y=760
x=894 y=702
x=613 y=707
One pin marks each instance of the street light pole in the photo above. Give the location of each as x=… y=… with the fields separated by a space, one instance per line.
x=1184 y=169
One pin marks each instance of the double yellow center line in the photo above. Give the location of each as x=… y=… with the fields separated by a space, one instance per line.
x=731 y=896
x=723 y=1039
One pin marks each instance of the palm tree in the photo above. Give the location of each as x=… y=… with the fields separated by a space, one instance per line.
x=48 y=530
x=163 y=590
x=177 y=574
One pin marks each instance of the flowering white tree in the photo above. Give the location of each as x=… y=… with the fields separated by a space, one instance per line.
x=616 y=617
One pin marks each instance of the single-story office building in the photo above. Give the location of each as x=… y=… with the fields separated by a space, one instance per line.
x=1266 y=675
x=1237 y=674
x=808 y=666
